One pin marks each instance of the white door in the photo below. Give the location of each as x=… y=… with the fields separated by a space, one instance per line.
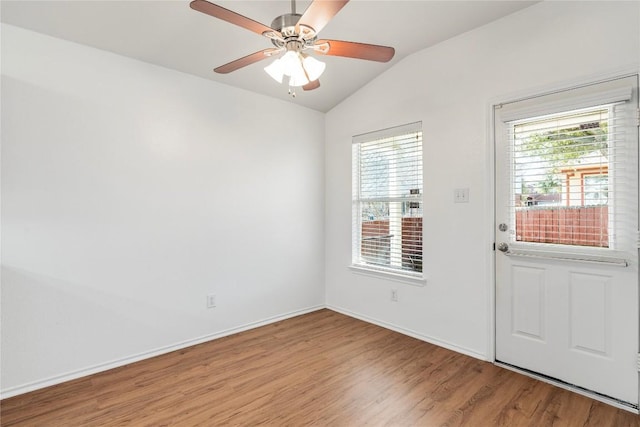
x=566 y=236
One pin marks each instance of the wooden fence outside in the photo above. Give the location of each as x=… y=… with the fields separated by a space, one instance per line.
x=375 y=245
x=565 y=225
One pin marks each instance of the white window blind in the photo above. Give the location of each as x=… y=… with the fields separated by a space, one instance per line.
x=574 y=176
x=387 y=200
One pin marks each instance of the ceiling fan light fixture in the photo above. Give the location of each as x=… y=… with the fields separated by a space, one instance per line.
x=313 y=67
x=276 y=70
x=292 y=65
x=298 y=78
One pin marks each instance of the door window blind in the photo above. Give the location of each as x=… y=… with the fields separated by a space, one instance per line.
x=387 y=200
x=574 y=176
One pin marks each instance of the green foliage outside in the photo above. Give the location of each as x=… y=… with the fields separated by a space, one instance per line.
x=561 y=148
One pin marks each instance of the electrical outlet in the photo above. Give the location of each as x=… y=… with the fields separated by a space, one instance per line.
x=211 y=301
x=461 y=195
x=394 y=295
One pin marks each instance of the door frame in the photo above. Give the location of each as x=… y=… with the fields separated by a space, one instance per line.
x=491 y=182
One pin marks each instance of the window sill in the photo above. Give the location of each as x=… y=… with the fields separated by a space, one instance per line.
x=389 y=275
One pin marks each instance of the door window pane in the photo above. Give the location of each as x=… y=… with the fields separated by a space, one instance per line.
x=561 y=177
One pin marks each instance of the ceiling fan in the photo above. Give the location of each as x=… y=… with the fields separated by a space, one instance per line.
x=293 y=35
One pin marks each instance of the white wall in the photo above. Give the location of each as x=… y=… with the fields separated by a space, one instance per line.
x=450 y=88
x=130 y=192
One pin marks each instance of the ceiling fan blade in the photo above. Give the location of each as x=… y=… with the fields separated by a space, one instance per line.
x=312 y=85
x=246 y=60
x=320 y=12
x=371 y=52
x=229 y=16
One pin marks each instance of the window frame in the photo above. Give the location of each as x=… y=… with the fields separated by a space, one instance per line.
x=358 y=264
x=615 y=90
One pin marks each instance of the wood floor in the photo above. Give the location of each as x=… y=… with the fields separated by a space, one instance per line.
x=318 y=369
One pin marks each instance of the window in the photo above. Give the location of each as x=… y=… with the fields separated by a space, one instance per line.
x=561 y=165
x=574 y=171
x=387 y=200
x=595 y=189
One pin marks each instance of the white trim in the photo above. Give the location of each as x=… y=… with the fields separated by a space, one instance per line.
x=491 y=233
x=57 y=379
x=411 y=333
x=388 y=132
x=564 y=256
x=591 y=395
x=389 y=275
x=585 y=80
x=620 y=92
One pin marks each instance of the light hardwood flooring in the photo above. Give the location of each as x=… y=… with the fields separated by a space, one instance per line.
x=321 y=369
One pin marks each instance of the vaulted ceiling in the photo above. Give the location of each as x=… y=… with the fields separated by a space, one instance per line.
x=172 y=35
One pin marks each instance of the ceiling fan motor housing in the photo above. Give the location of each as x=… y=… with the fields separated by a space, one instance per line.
x=286 y=25
x=287 y=20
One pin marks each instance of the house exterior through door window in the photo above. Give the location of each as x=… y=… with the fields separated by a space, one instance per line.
x=561 y=180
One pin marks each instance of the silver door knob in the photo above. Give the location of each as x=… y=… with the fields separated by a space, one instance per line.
x=503 y=247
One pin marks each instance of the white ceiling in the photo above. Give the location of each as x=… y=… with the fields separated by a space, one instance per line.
x=171 y=34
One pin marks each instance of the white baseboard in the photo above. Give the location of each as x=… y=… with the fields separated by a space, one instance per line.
x=36 y=385
x=413 y=334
